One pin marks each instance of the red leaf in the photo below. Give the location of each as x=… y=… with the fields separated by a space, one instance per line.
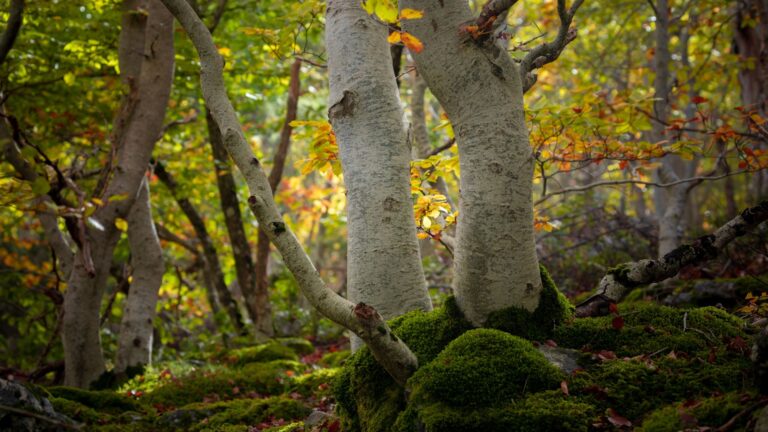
x=335 y=426
x=606 y=355
x=613 y=308
x=564 y=388
x=577 y=110
x=711 y=357
x=616 y=419
x=699 y=99
x=551 y=343
x=618 y=323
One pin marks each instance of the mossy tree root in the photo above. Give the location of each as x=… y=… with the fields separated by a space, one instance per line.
x=621 y=279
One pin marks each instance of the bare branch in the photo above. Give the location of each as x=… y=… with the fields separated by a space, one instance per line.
x=618 y=282
x=491 y=12
x=637 y=182
x=550 y=51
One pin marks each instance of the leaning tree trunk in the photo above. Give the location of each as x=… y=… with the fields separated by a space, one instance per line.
x=480 y=88
x=383 y=263
x=134 y=343
x=146 y=64
x=363 y=320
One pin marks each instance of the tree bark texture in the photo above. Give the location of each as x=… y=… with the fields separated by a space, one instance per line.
x=618 y=282
x=149 y=75
x=134 y=343
x=383 y=262
x=480 y=88
x=396 y=358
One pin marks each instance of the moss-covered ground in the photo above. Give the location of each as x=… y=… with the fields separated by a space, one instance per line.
x=646 y=367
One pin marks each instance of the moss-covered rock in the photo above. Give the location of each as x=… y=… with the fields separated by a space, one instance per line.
x=103 y=401
x=77 y=411
x=490 y=367
x=650 y=328
x=334 y=359
x=366 y=396
x=300 y=346
x=290 y=427
x=269 y=351
x=238 y=412
x=317 y=382
x=554 y=309
x=264 y=378
x=712 y=412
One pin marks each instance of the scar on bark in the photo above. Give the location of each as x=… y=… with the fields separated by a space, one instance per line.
x=344 y=107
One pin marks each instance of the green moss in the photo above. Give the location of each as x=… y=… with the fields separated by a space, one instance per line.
x=77 y=411
x=553 y=310
x=316 y=382
x=367 y=398
x=712 y=412
x=290 y=427
x=269 y=351
x=300 y=346
x=334 y=359
x=489 y=366
x=549 y=410
x=217 y=415
x=100 y=400
x=650 y=328
x=263 y=378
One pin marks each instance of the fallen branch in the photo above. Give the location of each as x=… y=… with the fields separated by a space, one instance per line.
x=620 y=280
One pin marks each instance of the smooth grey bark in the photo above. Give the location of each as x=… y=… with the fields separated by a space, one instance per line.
x=134 y=343
x=363 y=320
x=136 y=129
x=479 y=86
x=670 y=203
x=383 y=263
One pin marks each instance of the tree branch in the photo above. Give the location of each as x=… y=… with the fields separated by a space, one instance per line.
x=619 y=281
x=15 y=18
x=491 y=12
x=550 y=51
x=396 y=358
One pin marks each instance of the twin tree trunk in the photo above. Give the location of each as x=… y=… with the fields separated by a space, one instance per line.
x=146 y=62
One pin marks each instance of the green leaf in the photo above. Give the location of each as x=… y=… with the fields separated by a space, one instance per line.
x=40 y=186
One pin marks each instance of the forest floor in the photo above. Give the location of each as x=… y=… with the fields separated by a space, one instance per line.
x=644 y=367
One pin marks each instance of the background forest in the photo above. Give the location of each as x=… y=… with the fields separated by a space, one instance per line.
x=648 y=131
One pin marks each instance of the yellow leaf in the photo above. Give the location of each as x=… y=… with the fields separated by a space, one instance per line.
x=225 y=51
x=121 y=224
x=407 y=14
x=421 y=235
x=426 y=222
x=97 y=201
x=394 y=37
x=386 y=11
x=412 y=42
x=69 y=78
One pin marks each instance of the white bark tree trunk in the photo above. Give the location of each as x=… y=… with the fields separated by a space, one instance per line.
x=134 y=343
x=480 y=88
x=383 y=263
x=136 y=129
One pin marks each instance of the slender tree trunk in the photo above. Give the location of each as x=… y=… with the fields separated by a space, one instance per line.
x=136 y=129
x=480 y=88
x=13 y=25
x=134 y=344
x=245 y=268
x=264 y=321
x=383 y=263
x=751 y=44
x=210 y=254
